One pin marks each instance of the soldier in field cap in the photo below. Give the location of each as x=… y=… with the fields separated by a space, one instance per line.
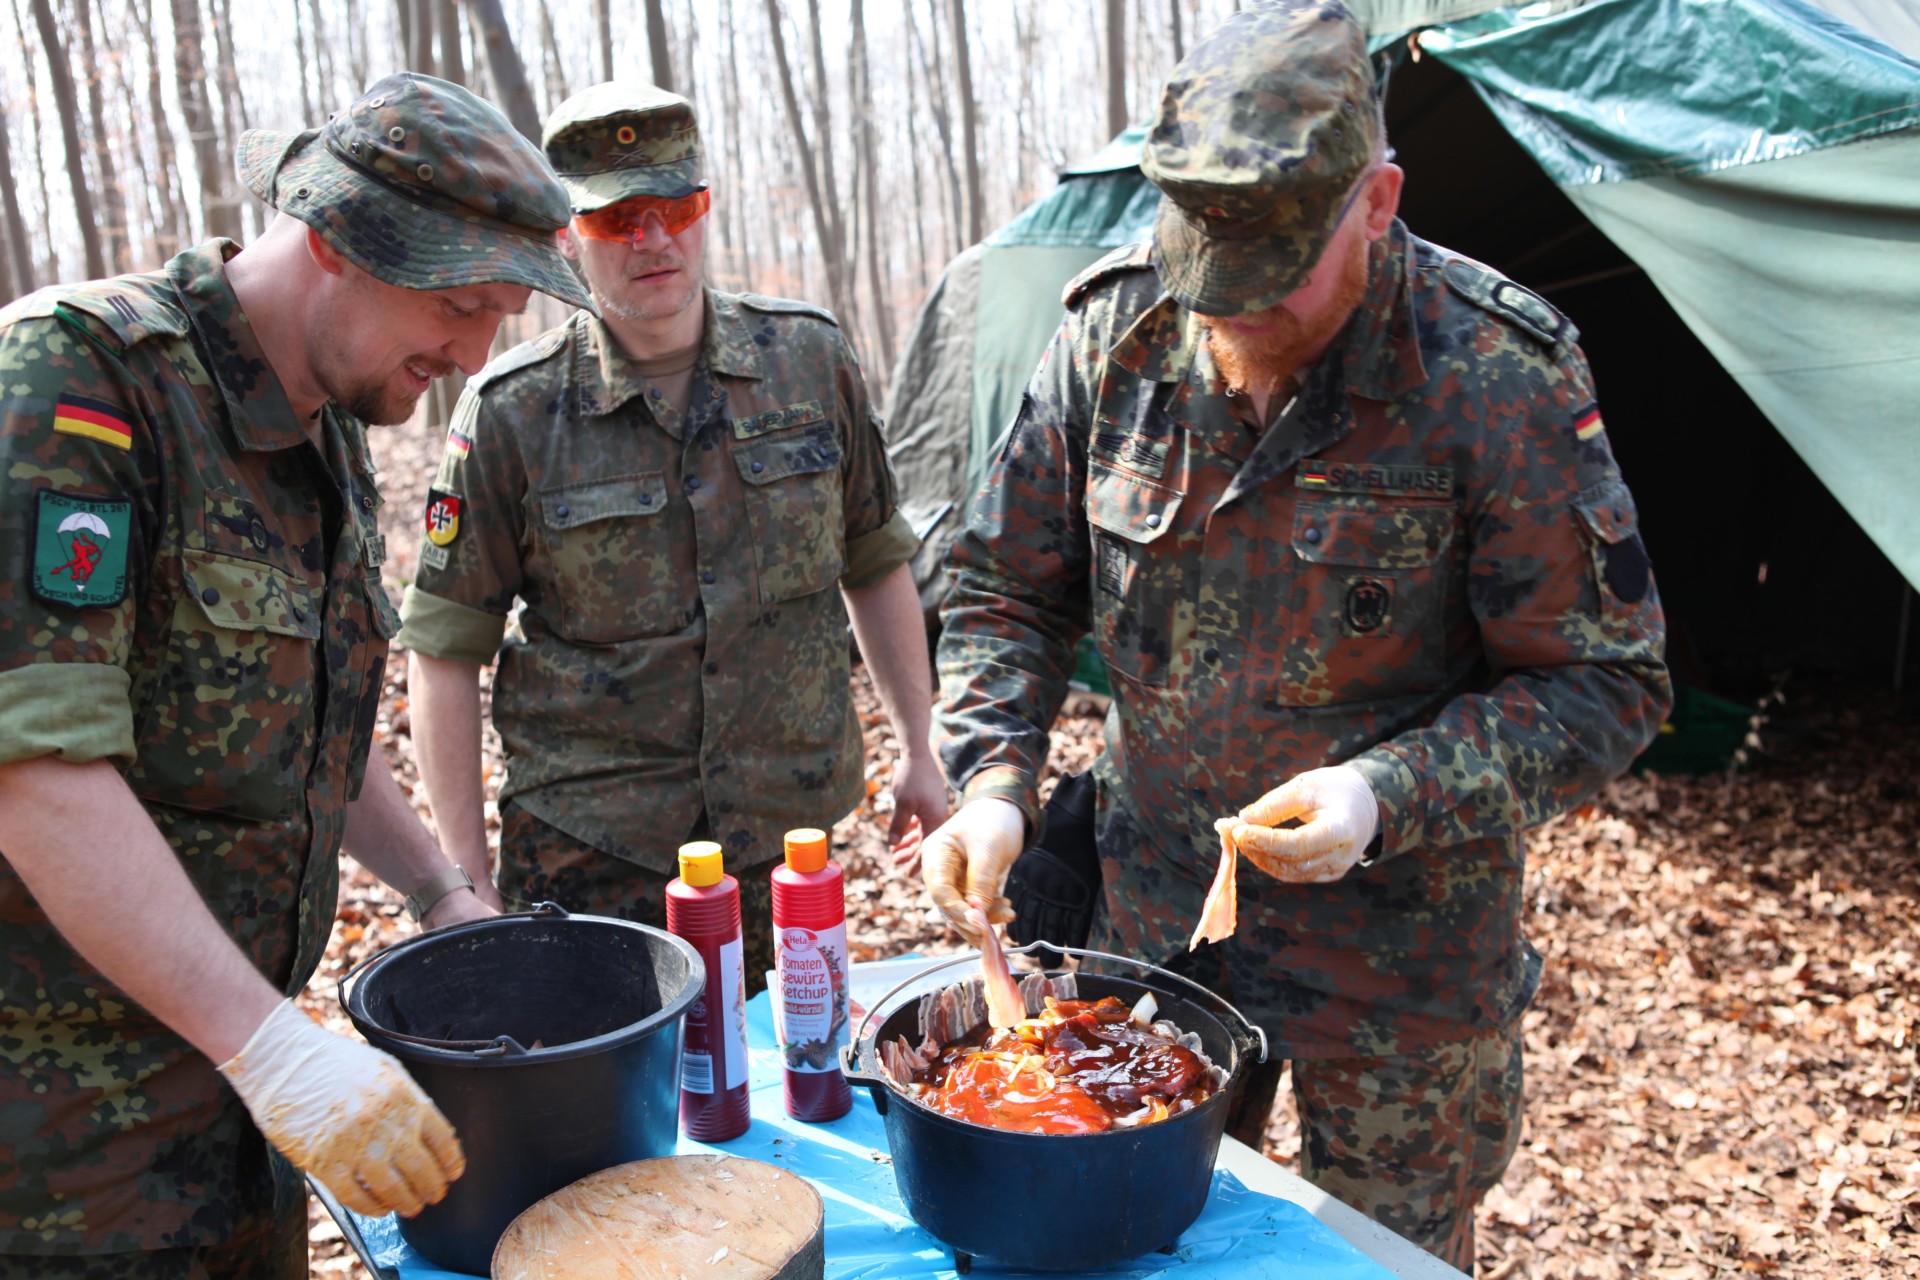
x=1339 y=511
x=191 y=646
x=689 y=495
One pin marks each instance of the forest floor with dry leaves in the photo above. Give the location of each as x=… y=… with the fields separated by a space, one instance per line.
x=1721 y=1062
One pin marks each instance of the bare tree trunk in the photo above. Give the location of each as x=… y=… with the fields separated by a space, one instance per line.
x=937 y=99
x=822 y=230
x=504 y=65
x=446 y=22
x=113 y=202
x=325 y=85
x=19 y=254
x=969 y=112
x=171 y=233
x=67 y=104
x=603 y=27
x=218 y=205
x=555 y=67
x=1179 y=43
x=839 y=265
x=420 y=28
x=869 y=170
x=300 y=53
x=149 y=193
x=1114 y=64
x=921 y=262
x=39 y=168
x=738 y=206
x=356 y=55
x=689 y=55
x=403 y=19
x=658 y=46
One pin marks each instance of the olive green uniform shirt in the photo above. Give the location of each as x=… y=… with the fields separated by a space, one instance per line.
x=681 y=646
x=188 y=588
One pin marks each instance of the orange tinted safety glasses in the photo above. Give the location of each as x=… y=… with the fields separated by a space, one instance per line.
x=626 y=222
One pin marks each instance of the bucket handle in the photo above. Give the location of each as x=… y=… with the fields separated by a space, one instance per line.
x=1256 y=1032
x=499 y=1045
x=540 y=911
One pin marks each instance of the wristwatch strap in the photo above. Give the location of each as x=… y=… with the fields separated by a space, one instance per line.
x=437 y=886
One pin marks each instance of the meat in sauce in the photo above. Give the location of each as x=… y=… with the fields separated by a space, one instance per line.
x=1081 y=1066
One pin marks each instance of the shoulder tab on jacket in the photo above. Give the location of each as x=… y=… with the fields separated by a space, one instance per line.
x=1132 y=257
x=1514 y=303
x=133 y=308
x=786 y=306
x=516 y=358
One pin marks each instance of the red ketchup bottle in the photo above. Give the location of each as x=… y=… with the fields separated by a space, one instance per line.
x=703 y=906
x=810 y=1002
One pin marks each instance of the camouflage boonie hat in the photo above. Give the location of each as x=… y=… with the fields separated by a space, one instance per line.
x=423 y=185
x=1262 y=134
x=623 y=139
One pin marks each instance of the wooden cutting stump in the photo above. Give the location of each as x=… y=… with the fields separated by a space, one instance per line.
x=676 y=1218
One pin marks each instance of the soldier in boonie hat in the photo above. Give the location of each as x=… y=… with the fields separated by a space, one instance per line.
x=1263 y=134
x=423 y=185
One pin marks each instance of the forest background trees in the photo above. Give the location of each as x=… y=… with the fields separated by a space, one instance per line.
x=853 y=147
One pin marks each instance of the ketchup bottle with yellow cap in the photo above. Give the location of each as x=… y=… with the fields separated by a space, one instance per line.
x=810 y=999
x=703 y=906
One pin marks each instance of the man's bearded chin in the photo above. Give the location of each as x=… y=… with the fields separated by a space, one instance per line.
x=378 y=403
x=1263 y=360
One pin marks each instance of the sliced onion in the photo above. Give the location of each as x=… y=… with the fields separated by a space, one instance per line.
x=1144 y=1010
x=1133 y=1118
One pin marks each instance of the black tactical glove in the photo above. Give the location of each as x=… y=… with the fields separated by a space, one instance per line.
x=1055 y=885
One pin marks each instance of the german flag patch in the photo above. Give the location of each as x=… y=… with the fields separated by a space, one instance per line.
x=1587 y=424
x=94 y=419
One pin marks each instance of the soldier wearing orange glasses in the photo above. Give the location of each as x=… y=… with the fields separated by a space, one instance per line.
x=688 y=495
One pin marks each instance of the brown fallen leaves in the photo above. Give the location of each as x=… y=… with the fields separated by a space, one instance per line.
x=1721 y=1063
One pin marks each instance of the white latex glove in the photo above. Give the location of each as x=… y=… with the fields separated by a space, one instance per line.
x=1340 y=816
x=346 y=1113
x=967 y=860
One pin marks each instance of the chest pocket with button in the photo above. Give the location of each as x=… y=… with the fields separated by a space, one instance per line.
x=1366 y=615
x=1134 y=588
x=231 y=726
x=795 y=509
x=610 y=565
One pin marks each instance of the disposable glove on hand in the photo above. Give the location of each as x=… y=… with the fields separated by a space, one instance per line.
x=1339 y=815
x=968 y=858
x=347 y=1114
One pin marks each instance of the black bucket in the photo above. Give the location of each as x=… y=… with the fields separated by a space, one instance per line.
x=550 y=1041
x=1057 y=1202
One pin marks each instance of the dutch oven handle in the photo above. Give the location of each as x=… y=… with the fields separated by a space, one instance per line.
x=499 y=1045
x=850 y=1068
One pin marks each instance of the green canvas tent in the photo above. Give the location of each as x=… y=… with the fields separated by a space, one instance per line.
x=1723 y=194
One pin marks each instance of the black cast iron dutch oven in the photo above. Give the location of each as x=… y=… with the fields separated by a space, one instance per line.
x=1057 y=1202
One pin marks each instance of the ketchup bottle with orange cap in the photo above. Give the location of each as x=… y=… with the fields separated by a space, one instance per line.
x=810 y=998
x=703 y=906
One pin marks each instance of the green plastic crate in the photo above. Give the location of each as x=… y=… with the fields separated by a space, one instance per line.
x=1700 y=736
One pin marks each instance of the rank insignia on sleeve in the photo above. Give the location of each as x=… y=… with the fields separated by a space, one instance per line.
x=443 y=517
x=1586 y=423
x=80 y=550
x=94 y=419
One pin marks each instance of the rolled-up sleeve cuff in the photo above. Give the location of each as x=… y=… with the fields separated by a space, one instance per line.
x=872 y=556
x=77 y=711
x=1397 y=789
x=1010 y=784
x=440 y=628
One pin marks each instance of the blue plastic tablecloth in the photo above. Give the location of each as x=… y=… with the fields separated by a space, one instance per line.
x=1240 y=1235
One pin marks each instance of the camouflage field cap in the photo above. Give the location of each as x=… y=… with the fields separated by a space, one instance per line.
x=622 y=139
x=421 y=184
x=1262 y=133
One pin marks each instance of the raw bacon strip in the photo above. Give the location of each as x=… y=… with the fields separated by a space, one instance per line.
x=1219 y=917
x=1004 y=1003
